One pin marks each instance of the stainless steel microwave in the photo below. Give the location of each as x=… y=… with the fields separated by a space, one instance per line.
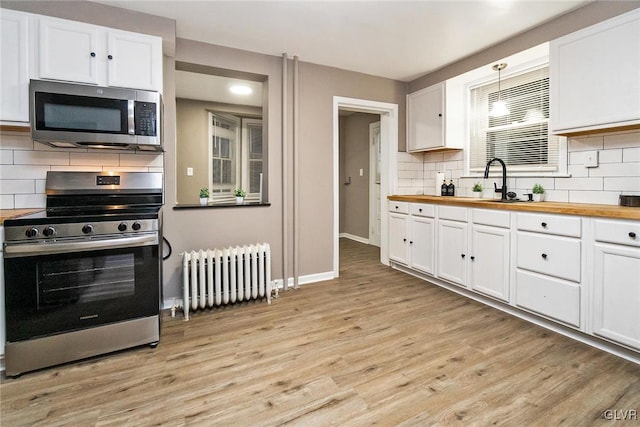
x=75 y=115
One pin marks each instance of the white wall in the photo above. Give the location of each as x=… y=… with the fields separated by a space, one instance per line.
x=618 y=172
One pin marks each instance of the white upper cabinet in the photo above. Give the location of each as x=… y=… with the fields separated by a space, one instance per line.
x=83 y=53
x=69 y=51
x=425 y=118
x=134 y=60
x=14 y=60
x=595 y=77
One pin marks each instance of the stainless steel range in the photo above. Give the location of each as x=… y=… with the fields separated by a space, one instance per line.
x=84 y=277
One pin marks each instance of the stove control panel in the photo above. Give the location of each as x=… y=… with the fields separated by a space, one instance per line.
x=63 y=230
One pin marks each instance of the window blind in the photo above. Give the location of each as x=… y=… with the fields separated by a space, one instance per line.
x=520 y=138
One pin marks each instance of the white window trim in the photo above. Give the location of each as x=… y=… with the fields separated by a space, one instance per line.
x=518 y=64
x=245 y=157
x=214 y=196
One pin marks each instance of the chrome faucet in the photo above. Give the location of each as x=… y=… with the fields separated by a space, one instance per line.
x=502 y=190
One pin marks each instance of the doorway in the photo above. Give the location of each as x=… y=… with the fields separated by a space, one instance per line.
x=388 y=164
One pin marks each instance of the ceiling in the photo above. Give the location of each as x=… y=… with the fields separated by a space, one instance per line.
x=398 y=39
x=208 y=87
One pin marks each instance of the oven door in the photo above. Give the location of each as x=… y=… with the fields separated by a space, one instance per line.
x=54 y=288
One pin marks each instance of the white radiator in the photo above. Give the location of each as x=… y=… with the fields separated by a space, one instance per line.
x=216 y=277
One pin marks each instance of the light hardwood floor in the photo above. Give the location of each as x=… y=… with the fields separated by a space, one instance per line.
x=374 y=347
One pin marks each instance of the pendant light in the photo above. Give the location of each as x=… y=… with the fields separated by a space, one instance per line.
x=499 y=107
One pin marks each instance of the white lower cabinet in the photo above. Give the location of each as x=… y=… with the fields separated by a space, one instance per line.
x=412 y=237
x=490 y=257
x=616 y=282
x=580 y=272
x=452 y=251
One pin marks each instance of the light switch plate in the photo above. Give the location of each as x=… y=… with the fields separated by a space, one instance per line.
x=189 y=171
x=591 y=159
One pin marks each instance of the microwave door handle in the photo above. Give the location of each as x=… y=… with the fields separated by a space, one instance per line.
x=131 y=117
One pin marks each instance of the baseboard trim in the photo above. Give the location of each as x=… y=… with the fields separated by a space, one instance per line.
x=354 y=237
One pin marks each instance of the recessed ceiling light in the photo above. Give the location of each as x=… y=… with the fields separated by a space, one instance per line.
x=241 y=90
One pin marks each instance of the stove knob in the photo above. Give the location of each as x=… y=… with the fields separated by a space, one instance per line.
x=87 y=229
x=31 y=232
x=49 y=231
x=136 y=226
x=122 y=226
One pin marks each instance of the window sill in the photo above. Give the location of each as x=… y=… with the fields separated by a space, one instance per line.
x=222 y=205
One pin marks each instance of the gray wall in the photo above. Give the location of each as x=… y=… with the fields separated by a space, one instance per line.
x=354 y=155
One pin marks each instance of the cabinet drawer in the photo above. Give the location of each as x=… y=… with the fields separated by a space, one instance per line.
x=453 y=213
x=421 y=209
x=400 y=207
x=621 y=232
x=548 y=296
x=550 y=224
x=491 y=217
x=551 y=255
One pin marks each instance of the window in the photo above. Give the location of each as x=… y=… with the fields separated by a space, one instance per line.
x=235 y=153
x=521 y=138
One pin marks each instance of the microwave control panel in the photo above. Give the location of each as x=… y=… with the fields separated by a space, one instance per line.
x=145 y=118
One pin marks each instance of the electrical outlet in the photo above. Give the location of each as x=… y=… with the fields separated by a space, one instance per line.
x=590 y=159
x=361 y=172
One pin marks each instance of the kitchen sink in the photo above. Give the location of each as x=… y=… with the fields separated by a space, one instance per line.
x=509 y=200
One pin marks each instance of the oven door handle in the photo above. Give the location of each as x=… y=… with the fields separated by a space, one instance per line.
x=30 y=249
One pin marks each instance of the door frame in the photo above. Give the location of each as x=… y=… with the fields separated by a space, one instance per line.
x=373 y=154
x=388 y=165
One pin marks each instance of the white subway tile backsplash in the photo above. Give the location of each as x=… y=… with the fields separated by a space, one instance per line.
x=528 y=183
x=77 y=168
x=622 y=184
x=40 y=185
x=622 y=140
x=579 y=184
x=125 y=169
x=16 y=141
x=7 y=201
x=616 y=169
x=631 y=154
x=6 y=157
x=610 y=156
x=598 y=197
x=23 y=172
x=147 y=160
x=17 y=186
x=577 y=171
x=24 y=201
x=95 y=159
x=453 y=155
x=585 y=143
x=556 y=195
x=41 y=158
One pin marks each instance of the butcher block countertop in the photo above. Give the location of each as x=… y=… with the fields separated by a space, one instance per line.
x=583 y=209
x=14 y=213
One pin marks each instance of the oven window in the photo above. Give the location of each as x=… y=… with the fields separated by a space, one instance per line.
x=84 y=280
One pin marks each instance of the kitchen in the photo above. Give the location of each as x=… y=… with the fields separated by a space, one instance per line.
x=319 y=84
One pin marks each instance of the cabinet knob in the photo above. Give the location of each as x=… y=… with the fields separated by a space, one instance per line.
x=411 y=242
x=632 y=234
x=544 y=224
x=420 y=210
x=110 y=56
x=472 y=258
x=544 y=256
x=396 y=207
x=440 y=115
x=462 y=255
x=404 y=240
x=93 y=54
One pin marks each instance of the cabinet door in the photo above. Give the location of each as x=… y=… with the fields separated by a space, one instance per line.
x=452 y=251
x=134 y=60
x=425 y=118
x=489 y=259
x=398 y=237
x=616 y=294
x=69 y=51
x=14 y=74
x=422 y=243
x=594 y=76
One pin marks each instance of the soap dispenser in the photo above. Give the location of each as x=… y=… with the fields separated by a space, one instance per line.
x=444 y=188
x=451 y=188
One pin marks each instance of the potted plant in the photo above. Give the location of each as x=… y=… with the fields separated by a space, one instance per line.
x=538 y=193
x=204 y=196
x=477 y=189
x=239 y=193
